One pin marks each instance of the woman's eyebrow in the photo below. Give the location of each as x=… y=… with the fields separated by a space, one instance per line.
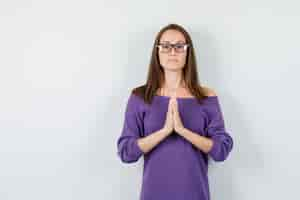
x=165 y=41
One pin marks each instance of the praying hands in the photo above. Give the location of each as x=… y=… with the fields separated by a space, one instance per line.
x=173 y=120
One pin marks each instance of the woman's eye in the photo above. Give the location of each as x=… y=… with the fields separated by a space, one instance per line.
x=179 y=46
x=165 y=46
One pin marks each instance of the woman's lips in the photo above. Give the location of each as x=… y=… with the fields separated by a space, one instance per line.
x=173 y=60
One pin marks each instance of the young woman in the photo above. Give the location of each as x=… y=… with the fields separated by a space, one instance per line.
x=174 y=123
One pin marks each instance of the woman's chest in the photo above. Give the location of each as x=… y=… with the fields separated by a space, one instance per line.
x=191 y=115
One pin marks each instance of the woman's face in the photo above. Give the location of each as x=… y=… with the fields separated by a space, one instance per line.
x=169 y=58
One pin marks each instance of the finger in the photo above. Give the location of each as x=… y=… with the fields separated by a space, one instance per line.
x=175 y=104
x=175 y=112
x=173 y=96
x=170 y=104
x=175 y=100
x=170 y=101
x=170 y=110
x=171 y=107
x=175 y=108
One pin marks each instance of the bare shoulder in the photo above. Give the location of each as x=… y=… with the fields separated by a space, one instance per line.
x=209 y=91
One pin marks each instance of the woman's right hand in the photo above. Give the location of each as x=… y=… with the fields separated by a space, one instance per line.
x=169 y=124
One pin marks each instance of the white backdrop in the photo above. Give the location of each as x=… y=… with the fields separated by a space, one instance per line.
x=67 y=67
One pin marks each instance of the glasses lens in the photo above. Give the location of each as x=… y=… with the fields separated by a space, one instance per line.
x=166 y=48
x=179 y=48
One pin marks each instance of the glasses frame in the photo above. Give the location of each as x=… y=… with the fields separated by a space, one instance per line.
x=185 y=46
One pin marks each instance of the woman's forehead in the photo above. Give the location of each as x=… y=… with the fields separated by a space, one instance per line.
x=172 y=36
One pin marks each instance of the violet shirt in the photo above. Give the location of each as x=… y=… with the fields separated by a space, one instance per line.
x=174 y=169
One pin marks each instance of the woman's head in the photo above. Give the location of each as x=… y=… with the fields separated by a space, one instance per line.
x=160 y=60
x=172 y=50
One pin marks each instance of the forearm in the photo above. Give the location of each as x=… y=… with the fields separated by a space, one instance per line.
x=202 y=143
x=149 y=142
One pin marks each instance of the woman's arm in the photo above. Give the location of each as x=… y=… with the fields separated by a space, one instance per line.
x=147 y=143
x=218 y=143
x=131 y=145
x=202 y=143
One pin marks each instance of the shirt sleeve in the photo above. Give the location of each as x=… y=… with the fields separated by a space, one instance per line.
x=128 y=149
x=222 y=141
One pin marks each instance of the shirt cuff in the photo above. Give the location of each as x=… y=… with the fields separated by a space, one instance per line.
x=138 y=151
x=213 y=152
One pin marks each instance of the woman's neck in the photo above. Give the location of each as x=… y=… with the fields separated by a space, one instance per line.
x=173 y=80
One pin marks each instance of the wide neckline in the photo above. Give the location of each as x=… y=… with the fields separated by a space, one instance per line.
x=183 y=98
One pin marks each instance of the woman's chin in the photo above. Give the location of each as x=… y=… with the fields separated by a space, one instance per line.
x=173 y=67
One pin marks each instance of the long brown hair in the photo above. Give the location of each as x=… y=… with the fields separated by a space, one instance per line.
x=155 y=77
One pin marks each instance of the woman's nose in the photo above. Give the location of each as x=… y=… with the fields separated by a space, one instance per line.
x=173 y=51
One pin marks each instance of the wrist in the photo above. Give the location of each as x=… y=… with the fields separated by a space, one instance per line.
x=165 y=131
x=182 y=130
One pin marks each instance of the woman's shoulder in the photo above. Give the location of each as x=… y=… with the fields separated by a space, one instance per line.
x=212 y=100
x=214 y=106
x=138 y=91
x=209 y=91
x=135 y=95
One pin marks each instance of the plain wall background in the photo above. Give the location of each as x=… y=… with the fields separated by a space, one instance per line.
x=67 y=67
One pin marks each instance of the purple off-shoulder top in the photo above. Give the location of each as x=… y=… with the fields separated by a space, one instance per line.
x=175 y=169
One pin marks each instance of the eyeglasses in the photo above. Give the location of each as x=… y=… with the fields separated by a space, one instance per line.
x=167 y=47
